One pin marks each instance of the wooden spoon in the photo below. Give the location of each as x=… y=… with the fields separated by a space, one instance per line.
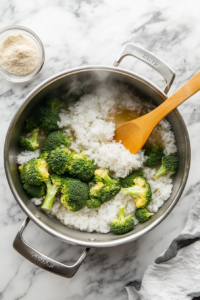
x=134 y=134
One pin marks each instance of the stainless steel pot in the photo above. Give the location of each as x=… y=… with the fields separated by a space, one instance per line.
x=92 y=75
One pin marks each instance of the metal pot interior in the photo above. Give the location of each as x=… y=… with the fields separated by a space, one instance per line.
x=84 y=80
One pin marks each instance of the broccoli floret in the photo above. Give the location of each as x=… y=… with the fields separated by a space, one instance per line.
x=55 y=104
x=98 y=175
x=80 y=167
x=95 y=196
x=155 y=155
x=30 y=143
x=59 y=160
x=44 y=155
x=46 y=118
x=49 y=122
x=109 y=191
x=93 y=203
x=169 y=164
x=128 y=180
x=142 y=215
x=104 y=189
x=55 y=140
x=35 y=191
x=101 y=175
x=74 y=193
x=140 y=191
x=22 y=177
x=111 y=186
x=53 y=186
x=123 y=224
x=35 y=171
x=30 y=124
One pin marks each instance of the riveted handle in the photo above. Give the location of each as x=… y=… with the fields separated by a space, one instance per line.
x=42 y=261
x=150 y=59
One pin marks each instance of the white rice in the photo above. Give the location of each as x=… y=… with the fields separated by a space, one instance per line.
x=37 y=201
x=161 y=188
x=90 y=125
x=167 y=138
x=25 y=156
x=97 y=219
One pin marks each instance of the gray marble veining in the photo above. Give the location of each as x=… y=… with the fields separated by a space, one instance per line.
x=175 y=273
x=77 y=33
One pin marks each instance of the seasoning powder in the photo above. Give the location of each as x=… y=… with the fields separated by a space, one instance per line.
x=18 y=54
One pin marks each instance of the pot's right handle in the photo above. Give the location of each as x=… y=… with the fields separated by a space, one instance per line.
x=43 y=261
x=150 y=59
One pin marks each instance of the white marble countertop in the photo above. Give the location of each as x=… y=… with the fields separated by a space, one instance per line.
x=77 y=33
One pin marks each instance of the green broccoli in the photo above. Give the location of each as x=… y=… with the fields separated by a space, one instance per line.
x=80 y=167
x=30 y=124
x=30 y=143
x=95 y=196
x=55 y=140
x=44 y=155
x=98 y=175
x=55 y=104
x=109 y=191
x=22 y=177
x=53 y=186
x=74 y=193
x=169 y=164
x=142 y=215
x=35 y=171
x=106 y=187
x=45 y=115
x=155 y=155
x=123 y=224
x=101 y=175
x=59 y=160
x=35 y=191
x=140 y=191
x=111 y=185
x=46 y=119
x=93 y=203
x=128 y=180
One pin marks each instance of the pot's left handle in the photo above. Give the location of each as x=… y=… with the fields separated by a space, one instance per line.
x=43 y=261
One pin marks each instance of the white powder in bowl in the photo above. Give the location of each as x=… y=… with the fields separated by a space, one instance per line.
x=18 y=54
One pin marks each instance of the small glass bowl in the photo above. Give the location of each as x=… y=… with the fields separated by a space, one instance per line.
x=31 y=35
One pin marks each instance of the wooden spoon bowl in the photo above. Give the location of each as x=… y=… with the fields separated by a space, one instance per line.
x=134 y=134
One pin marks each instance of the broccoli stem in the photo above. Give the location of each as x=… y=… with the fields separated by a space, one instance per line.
x=160 y=172
x=33 y=137
x=134 y=191
x=107 y=178
x=51 y=192
x=150 y=214
x=121 y=217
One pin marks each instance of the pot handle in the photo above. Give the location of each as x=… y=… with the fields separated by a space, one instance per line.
x=151 y=60
x=42 y=261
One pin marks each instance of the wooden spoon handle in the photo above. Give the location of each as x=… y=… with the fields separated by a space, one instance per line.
x=185 y=92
